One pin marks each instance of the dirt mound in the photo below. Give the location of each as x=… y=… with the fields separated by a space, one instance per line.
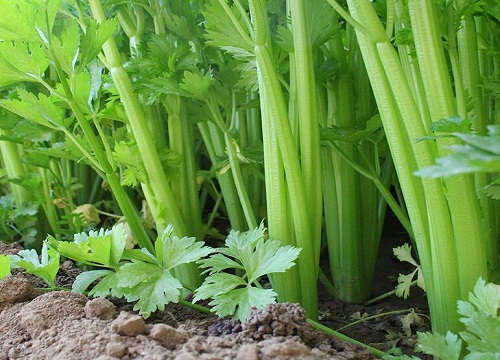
x=65 y=325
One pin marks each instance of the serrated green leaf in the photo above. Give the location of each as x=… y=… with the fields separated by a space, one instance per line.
x=9 y=74
x=451 y=125
x=46 y=267
x=404 y=284
x=140 y=254
x=197 y=84
x=84 y=279
x=486 y=297
x=20 y=20
x=103 y=248
x=127 y=153
x=42 y=109
x=217 y=284
x=93 y=251
x=66 y=47
x=150 y=284
x=482 y=334
x=234 y=295
x=464 y=159
x=108 y=286
x=221 y=31
x=29 y=60
x=403 y=253
x=4 y=266
x=218 y=262
x=239 y=301
x=80 y=88
x=173 y=251
x=238 y=242
x=444 y=347
x=354 y=135
x=94 y=38
x=270 y=257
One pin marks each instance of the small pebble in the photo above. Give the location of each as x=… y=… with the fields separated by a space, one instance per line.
x=129 y=324
x=168 y=336
x=116 y=349
x=100 y=308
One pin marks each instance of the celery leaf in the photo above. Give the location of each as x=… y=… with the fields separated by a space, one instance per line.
x=150 y=284
x=250 y=252
x=45 y=267
x=84 y=279
x=94 y=38
x=42 y=109
x=103 y=248
x=222 y=31
x=20 y=23
x=443 y=347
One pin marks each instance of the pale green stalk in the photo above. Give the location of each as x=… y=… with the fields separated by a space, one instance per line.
x=353 y=221
x=465 y=211
x=469 y=57
x=185 y=187
x=165 y=200
x=11 y=160
x=275 y=111
x=304 y=86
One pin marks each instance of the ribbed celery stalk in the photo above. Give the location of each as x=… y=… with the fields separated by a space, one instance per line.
x=11 y=160
x=276 y=124
x=352 y=217
x=167 y=209
x=471 y=73
x=156 y=176
x=180 y=133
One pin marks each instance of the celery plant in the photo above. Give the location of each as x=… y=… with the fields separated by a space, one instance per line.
x=26 y=55
x=445 y=215
x=289 y=129
x=354 y=210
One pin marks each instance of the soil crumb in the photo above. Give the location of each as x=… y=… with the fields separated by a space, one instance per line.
x=64 y=325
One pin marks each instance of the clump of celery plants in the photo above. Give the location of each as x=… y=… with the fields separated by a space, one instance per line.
x=412 y=87
x=250 y=253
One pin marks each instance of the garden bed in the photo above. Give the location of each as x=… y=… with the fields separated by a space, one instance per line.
x=64 y=325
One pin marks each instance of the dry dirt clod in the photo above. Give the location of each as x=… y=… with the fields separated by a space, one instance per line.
x=168 y=336
x=116 y=349
x=129 y=324
x=283 y=319
x=100 y=308
x=248 y=352
x=48 y=309
x=14 y=289
x=288 y=349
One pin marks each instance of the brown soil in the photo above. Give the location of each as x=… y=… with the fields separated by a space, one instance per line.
x=65 y=325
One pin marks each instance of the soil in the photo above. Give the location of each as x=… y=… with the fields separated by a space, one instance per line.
x=64 y=325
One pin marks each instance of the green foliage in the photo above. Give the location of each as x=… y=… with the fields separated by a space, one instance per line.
x=137 y=275
x=478 y=153
x=4 y=266
x=403 y=253
x=251 y=253
x=45 y=267
x=481 y=316
x=18 y=223
x=103 y=248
